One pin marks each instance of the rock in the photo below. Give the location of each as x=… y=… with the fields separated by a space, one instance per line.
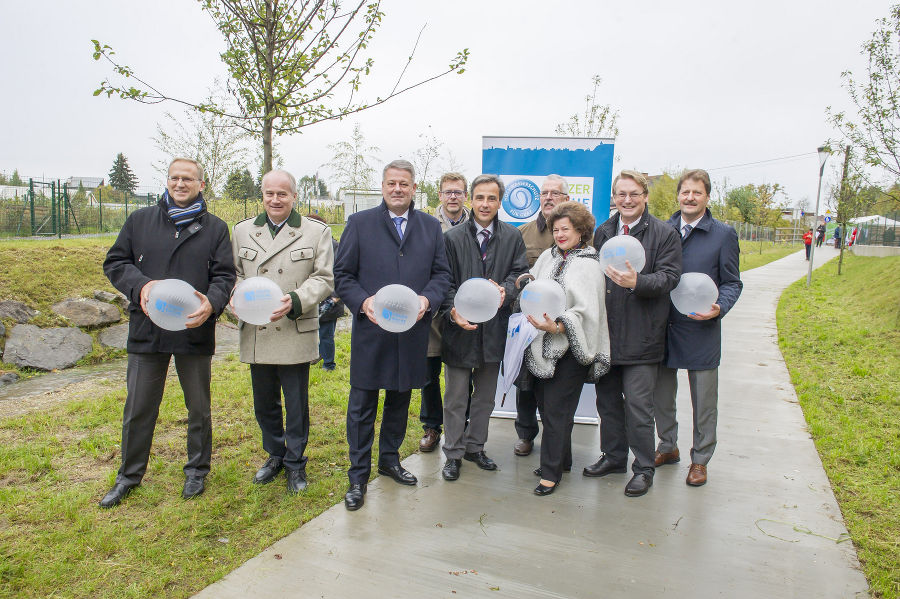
x=8 y=378
x=112 y=298
x=87 y=312
x=29 y=346
x=2 y=330
x=115 y=336
x=16 y=310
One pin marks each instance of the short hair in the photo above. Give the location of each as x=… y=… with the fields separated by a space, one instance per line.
x=485 y=178
x=555 y=177
x=403 y=165
x=697 y=174
x=635 y=176
x=452 y=176
x=578 y=214
x=290 y=177
x=192 y=161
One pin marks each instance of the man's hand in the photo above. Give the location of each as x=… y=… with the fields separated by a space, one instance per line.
x=195 y=319
x=369 y=309
x=501 y=290
x=623 y=278
x=423 y=307
x=283 y=309
x=716 y=309
x=461 y=322
x=145 y=295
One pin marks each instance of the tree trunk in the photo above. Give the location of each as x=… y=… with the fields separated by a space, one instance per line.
x=842 y=207
x=267 y=146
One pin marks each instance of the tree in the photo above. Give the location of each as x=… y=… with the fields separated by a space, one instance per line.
x=425 y=161
x=121 y=177
x=15 y=179
x=663 y=199
x=765 y=211
x=739 y=203
x=240 y=186
x=312 y=186
x=598 y=120
x=350 y=163
x=291 y=64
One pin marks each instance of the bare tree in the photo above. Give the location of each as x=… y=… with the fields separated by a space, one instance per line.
x=598 y=120
x=350 y=165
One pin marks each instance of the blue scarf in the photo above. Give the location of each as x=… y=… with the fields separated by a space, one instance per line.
x=182 y=217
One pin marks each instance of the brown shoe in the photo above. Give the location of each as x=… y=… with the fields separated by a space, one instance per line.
x=429 y=440
x=523 y=447
x=697 y=475
x=669 y=457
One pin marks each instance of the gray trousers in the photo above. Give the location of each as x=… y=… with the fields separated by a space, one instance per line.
x=704 y=399
x=625 y=405
x=459 y=438
x=146 y=381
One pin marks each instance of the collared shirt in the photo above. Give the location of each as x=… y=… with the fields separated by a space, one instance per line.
x=479 y=229
x=453 y=223
x=693 y=224
x=621 y=229
x=274 y=227
x=405 y=217
x=541 y=222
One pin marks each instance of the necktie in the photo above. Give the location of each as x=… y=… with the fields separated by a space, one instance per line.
x=398 y=222
x=485 y=236
x=625 y=229
x=687 y=230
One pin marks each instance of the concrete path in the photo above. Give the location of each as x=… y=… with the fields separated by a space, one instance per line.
x=765 y=525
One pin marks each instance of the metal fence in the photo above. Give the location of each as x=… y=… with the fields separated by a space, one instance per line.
x=877 y=234
x=751 y=232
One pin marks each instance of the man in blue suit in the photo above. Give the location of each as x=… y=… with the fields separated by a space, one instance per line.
x=391 y=243
x=694 y=341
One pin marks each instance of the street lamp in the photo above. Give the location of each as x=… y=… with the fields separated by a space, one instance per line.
x=824 y=153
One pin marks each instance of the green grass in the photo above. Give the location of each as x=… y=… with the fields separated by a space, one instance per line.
x=841 y=342
x=752 y=258
x=56 y=464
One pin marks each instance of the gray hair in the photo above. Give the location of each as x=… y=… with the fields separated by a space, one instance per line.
x=482 y=179
x=192 y=161
x=560 y=179
x=403 y=165
x=283 y=172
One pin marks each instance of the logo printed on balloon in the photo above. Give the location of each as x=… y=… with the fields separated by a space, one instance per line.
x=392 y=316
x=166 y=308
x=522 y=199
x=257 y=295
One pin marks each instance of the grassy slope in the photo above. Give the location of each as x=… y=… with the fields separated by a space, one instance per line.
x=752 y=258
x=841 y=341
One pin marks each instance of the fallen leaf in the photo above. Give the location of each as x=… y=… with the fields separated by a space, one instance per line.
x=277 y=556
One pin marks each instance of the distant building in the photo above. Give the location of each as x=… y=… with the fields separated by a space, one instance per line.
x=86 y=182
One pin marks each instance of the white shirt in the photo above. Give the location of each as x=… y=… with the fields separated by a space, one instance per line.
x=693 y=224
x=405 y=217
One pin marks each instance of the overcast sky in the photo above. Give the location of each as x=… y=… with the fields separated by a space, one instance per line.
x=697 y=84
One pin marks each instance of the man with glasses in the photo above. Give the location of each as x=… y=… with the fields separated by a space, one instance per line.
x=537 y=237
x=637 y=312
x=176 y=239
x=451 y=212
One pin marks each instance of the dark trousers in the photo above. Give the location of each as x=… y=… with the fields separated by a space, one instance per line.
x=285 y=438
x=557 y=399
x=431 y=411
x=361 y=411
x=146 y=381
x=807 y=246
x=526 y=414
x=326 y=343
x=625 y=405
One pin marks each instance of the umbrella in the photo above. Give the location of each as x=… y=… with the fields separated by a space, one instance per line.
x=519 y=334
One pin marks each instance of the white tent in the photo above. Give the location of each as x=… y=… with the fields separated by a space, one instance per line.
x=881 y=221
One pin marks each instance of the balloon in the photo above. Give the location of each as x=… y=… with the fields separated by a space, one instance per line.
x=696 y=293
x=255 y=299
x=169 y=303
x=396 y=308
x=477 y=300
x=620 y=248
x=543 y=295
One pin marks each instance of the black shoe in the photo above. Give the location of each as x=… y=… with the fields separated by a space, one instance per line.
x=541 y=490
x=481 y=460
x=268 y=471
x=296 y=480
x=116 y=495
x=450 y=471
x=602 y=467
x=538 y=472
x=355 y=496
x=399 y=474
x=638 y=485
x=193 y=486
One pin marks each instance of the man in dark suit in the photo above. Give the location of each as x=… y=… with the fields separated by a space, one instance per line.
x=694 y=341
x=391 y=243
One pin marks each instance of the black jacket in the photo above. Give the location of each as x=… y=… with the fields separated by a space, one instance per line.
x=506 y=260
x=148 y=248
x=637 y=319
x=331 y=308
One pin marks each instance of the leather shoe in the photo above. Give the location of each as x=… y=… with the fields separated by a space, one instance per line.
x=429 y=440
x=696 y=475
x=541 y=490
x=602 y=467
x=399 y=474
x=193 y=486
x=355 y=497
x=638 y=485
x=539 y=472
x=268 y=471
x=296 y=480
x=523 y=447
x=450 y=471
x=116 y=495
x=481 y=460
x=668 y=457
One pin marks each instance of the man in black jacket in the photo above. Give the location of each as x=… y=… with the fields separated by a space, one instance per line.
x=485 y=248
x=637 y=310
x=176 y=239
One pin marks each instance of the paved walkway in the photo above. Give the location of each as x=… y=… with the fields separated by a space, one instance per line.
x=763 y=526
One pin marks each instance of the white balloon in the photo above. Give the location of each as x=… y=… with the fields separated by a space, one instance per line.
x=396 y=308
x=543 y=296
x=477 y=300
x=620 y=248
x=169 y=303
x=695 y=294
x=255 y=299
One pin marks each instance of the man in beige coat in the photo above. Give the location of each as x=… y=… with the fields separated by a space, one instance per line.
x=296 y=253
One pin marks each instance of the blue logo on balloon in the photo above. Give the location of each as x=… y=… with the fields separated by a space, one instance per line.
x=167 y=308
x=610 y=253
x=522 y=199
x=257 y=295
x=390 y=316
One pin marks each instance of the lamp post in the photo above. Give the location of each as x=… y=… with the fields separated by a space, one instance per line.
x=823 y=156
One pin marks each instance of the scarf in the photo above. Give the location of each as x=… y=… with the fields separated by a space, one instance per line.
x=182 y=217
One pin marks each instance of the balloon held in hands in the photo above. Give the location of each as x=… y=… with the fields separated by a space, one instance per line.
x=477 y=300
x=396 y=308
x=619 y=249
x=255 y=299
x=169 y=303
x=543 y=296
x=695 y=294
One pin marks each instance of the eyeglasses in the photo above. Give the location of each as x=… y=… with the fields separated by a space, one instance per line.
x=185 y=180
x=634 y=195
x=553 y=194
x=453 y=193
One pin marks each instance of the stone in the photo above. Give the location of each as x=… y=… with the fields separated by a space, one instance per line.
x=8 y=378
x=87 y=312
x=29 y=346
x=115 y=336
x=16 y=310
x=112 y=298
x=2 y=330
